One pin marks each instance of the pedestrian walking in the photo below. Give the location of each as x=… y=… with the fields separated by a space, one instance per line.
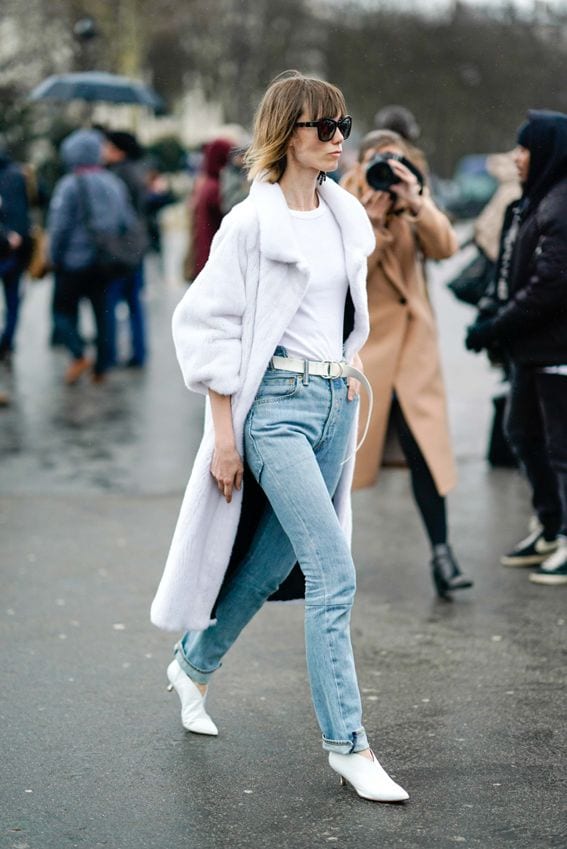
x=88 y=203
x=123 y=156
x=528 y=319
x=205 y=211
x=14 y=247
x=401 y=357
x=158 y=196
x=270 y=332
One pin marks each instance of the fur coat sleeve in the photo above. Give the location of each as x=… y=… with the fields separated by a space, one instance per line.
x=207 y=323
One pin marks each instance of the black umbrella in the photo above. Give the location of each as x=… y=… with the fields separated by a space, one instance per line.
x=95 y=86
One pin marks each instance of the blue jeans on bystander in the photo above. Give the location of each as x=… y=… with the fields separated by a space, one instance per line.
x=128 y=289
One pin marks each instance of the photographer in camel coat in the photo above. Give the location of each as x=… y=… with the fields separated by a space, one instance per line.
x=401 y=356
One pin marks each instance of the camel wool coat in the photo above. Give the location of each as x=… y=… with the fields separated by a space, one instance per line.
x=401 y=355
x=225 y=330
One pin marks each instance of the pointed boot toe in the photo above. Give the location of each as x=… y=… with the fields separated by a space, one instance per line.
x=459 y=582
x=199 y=724
x=369 y=779
x=194 y=717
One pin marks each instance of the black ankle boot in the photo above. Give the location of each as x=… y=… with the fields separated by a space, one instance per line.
x=446 y=573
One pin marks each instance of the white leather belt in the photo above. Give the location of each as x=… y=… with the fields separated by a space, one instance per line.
x=331 y=370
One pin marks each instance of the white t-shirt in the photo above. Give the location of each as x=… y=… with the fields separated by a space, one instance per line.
x=316 y=330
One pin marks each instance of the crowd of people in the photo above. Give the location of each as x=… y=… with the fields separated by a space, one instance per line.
x=308 y=300
x=100 y=221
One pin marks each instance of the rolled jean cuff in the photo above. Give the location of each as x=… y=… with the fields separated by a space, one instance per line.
x=199 y=676
x=358 y=743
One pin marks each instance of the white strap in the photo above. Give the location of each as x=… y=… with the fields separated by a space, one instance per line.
x=330 y=370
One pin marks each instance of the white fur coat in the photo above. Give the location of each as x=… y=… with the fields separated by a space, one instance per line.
x=225 y=330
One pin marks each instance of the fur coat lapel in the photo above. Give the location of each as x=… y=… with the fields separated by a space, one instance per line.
x=225 y=329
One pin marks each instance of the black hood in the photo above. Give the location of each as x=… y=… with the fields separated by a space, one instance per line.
x=544 y=134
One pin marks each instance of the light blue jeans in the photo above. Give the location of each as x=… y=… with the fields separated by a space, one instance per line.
x=296 y=437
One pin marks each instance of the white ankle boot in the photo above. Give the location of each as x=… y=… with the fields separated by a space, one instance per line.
x=367 y=777
x=194 y=717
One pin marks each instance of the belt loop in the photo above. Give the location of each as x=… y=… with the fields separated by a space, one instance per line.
x=305 y=380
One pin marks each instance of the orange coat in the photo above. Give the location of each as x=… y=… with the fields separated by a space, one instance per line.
x=402 y=353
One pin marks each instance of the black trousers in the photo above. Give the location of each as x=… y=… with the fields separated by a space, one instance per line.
x=536 y=424
x=70 y=288
x=430 y=504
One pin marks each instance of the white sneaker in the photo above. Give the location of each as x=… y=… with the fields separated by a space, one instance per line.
x=367 y=777
x=553 y=570
x=194 y=717
x=530 y=551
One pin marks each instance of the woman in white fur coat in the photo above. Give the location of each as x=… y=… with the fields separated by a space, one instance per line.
x=270 y=332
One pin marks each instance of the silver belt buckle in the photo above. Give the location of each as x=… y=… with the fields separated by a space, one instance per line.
x=334 y=370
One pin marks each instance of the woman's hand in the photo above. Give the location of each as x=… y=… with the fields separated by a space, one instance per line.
x=377 y=205
x=408 y=189
x=14 y=239
x=353 y=383
x=227 y=469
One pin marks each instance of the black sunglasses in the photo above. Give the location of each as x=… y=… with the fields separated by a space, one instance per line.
x=327 y=127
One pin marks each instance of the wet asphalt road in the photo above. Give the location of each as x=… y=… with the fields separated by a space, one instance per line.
x=464 y=702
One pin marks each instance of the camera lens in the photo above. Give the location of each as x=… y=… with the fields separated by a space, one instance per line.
x=379 y=174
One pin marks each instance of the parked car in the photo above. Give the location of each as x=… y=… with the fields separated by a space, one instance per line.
x=469 y=190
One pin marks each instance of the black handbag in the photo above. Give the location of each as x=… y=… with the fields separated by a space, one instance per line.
x=472 y=282
x=116 y=253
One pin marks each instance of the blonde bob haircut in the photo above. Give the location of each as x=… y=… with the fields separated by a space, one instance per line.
x=288 y=95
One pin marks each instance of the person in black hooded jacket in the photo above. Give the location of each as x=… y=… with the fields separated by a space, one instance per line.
x=15 y=224
x=527 y=317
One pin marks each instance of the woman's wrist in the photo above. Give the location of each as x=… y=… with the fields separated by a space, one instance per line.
x=416 y=205
x=225 y=442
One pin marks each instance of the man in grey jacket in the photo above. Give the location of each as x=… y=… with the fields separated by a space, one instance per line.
x=88 y=200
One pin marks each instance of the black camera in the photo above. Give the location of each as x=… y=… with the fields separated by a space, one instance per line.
x=380 y=175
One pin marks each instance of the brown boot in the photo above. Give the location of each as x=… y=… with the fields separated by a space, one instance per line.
x=76 y=369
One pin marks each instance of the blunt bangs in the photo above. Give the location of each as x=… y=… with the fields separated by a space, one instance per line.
x=323 y=100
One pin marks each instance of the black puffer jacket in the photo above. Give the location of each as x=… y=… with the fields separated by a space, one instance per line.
x=532 y=325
